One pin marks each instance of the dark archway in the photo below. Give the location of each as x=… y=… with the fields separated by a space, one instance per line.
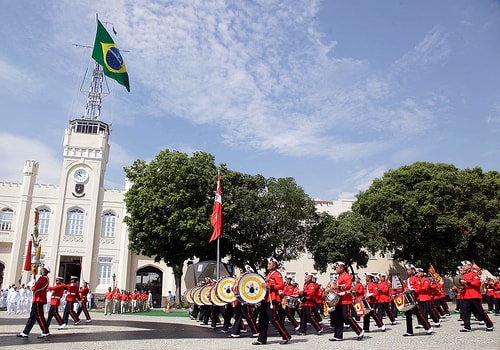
x=2 y=269
x=70 y=266
x=150 y=278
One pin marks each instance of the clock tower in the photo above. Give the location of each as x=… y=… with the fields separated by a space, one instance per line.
x=81 y=190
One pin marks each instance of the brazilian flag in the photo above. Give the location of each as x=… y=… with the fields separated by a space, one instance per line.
x=107 y=54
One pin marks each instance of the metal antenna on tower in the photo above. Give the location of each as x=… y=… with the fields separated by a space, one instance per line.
x=94 y=99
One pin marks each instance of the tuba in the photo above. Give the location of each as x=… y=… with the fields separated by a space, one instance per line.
x=457 y=281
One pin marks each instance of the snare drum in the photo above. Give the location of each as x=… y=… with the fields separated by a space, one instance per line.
x=293 y=302
x=332 y=299
x=366 y=305
x=404 y=301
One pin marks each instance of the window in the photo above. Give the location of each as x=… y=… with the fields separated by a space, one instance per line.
x=108 y=224
x=292 y=275
x=6 y=219
x=43 y=222
x=105 y=265
x=333 y=276
x=74 y=224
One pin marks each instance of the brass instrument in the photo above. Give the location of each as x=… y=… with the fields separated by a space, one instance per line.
x=457 y=281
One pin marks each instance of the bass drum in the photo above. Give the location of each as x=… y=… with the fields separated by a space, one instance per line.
x=197 y=296
x=214 y=298
x=248 y=288
x=224 y=289
x=190 y=294
x=205 y=295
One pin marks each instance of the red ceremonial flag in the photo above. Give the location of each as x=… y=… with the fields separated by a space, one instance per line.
x=27 y=262
x=217 y=213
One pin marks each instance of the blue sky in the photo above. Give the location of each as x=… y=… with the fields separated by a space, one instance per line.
x=331 y=93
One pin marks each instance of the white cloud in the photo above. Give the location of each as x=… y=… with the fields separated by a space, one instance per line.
x=16 y=150
x=266 y=75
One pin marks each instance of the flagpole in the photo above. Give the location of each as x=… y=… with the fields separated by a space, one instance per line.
x=218 y=258
x=218 y=238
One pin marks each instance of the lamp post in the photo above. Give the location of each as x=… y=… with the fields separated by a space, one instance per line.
x=114 y=278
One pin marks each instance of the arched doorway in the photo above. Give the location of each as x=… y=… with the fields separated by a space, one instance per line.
x=150 y=278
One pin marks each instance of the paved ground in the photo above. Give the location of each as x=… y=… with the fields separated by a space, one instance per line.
x=139 y=332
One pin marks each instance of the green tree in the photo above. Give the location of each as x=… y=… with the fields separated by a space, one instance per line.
x=169 y=207
x=348 y=238
x=435 y=213
x=262 y=218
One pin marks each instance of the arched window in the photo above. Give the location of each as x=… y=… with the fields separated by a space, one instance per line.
x=6 y=216
x=108 y=224
x=43 y=222
x=74 y=223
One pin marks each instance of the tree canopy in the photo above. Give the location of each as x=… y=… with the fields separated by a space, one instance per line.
x=436 y=213
x=169 y=207
x=348 y=238
x=262 y=218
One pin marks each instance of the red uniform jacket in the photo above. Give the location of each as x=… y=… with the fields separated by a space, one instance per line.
x=344 y=284
x=57 y=293
x=84 y=291
x=73 y=294
x=311 y=290
x=423 y=290
x=496 y=288
x=275 y=284
x=372 y=293
x=384 y=293
x=359 y=291
x=320 y=295
x=40 y=290
x=472 y=287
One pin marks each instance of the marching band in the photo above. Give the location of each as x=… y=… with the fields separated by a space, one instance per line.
x=276 y=300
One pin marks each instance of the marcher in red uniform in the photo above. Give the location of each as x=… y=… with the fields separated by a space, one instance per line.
x=320 y=296
x=489 y=294
x=309 y=293
x=496 y=295
x=291 y=293
x=359 y=293
x=108 y=302
x=424 y=298
x=84 y=291
x=384 y=298
x=372 y=297
x=342 y=312
x=71 y=299
x=39 y=300
x=472 y=298
x=269 y=307
x=410 y=287
x=55 y=301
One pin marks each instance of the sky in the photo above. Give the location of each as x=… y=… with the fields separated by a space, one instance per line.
x=332 y=93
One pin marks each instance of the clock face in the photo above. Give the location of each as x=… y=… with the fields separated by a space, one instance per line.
x=81 y=175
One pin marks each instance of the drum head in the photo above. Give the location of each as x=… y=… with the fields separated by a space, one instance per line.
x=197 y=297
x=224 y=289
x=214 y=298
x=250 y=289
x=189 y=295
x=205 y=295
